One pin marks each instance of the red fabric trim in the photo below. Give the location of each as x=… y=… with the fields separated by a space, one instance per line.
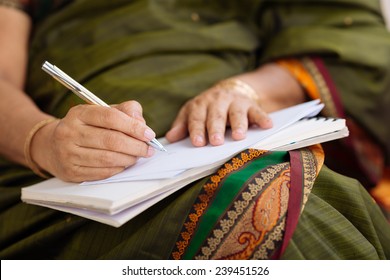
x=295 y=198
x=334 y=92
x=354 y=157
x=331 y=86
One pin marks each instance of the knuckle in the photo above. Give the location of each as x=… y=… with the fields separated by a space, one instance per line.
x=195 y=126
x=131 y=161
x=196 y=102
x=215 y=128
x=74 y=157
x=110 y=141
x=137 y=128
x=75 y=110
x=224 y=94
x=108 y=118
x=79 y=112
x=106 y=159
x=72 y=173
x=195 y=119
x=237 y=114
x=141 y=149
x=260 y=113
x=130 y=106
x=62 y=132
x=134 y=104
x=218 y=115
x=220 y=94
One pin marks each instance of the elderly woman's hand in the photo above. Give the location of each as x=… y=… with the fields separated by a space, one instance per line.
x=206 y=116
x=239 y=102
x=93 y=142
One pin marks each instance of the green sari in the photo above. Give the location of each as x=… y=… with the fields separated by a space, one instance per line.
x=259 y=205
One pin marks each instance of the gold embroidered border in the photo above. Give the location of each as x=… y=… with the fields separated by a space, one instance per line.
x=239 y=207
x=312 y=161
x=204 y=198
x=270 y=243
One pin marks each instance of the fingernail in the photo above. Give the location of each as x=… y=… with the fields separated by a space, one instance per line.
x=268 y=122
x=149 y=134
x=239 y=133
x=217 y=138
x=150 y=152
x=198 y=140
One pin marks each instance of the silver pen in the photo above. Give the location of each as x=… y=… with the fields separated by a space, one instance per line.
x=85 y=94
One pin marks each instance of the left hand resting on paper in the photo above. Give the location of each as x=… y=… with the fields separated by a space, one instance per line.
x=242 y=101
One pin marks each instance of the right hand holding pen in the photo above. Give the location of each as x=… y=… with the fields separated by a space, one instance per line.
x=93 y=142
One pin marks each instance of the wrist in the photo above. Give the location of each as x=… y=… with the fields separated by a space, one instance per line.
x=35 y=147
x=240 y=87
x=276 y=88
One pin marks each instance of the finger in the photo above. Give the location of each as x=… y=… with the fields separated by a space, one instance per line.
x=82 y=173
x=259 y=117
x=216 y=122
x=177 y=133
x=111 y=118
x=88 y=157
x=131 y=108
x=179 y=129
x=111 y=140
x=197 y=115
x=238 y=119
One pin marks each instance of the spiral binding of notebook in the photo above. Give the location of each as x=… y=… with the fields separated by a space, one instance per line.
x=306 y=132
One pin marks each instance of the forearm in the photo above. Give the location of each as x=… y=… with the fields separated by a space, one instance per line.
x=19 y=115
x=18 y=112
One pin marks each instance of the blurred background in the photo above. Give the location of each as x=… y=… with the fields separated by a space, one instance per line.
x=386 y=9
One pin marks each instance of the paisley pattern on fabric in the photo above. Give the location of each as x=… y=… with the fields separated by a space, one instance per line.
x=245 y=220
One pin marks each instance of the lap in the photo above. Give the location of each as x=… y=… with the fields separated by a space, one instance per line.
x=339 y=221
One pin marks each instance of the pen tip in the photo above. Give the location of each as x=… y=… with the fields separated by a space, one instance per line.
x=157 y=145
